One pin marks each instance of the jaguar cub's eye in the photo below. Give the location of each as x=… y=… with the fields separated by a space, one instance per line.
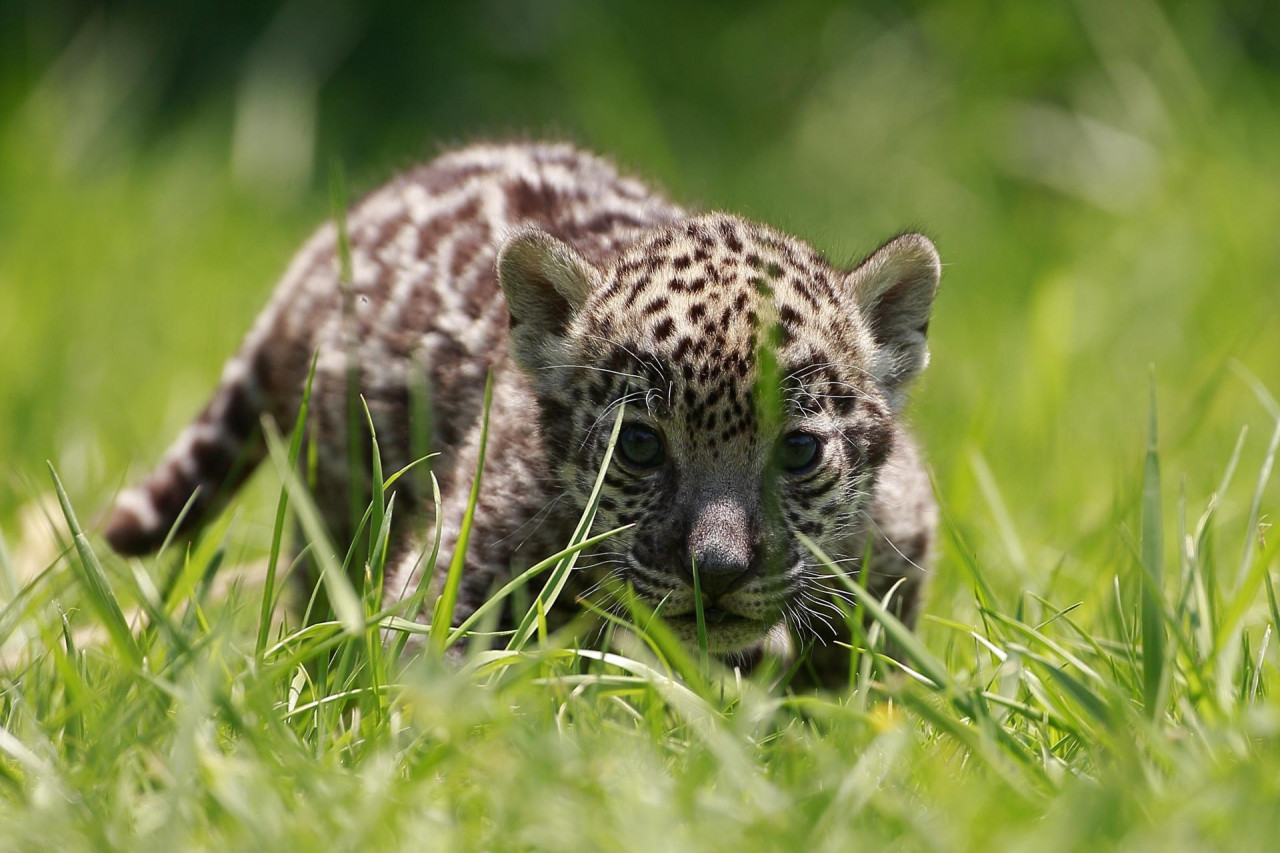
x=799 y=452
x=640 y=447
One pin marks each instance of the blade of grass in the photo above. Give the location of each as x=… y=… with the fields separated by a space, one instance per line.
x=704 y=658
x=657 y=635
x=898 y=633
x=282 y=508
x=8 y=575
x=1253 y=568
x=999 y=511
x=917 y=700
x=1049 y=643
x=1257 y=669
x=646 y=626
x=1255 y=505
x=1097 y=708
x=378 y=558
x=177 y=525
x=1153 y=637
x=986 y=594
x=346 y=288
x=391 y=481
x=1200 y=556
x=94 y=580
x=373 y=640
x=862 y=642
x=495 y=600
x=1271 y=601
x=376 y=506
x=1232 y=624
x=196 y=564
x=13 y=613
x=346 y=604
x=560 y=574
x=413 y=604
x=442 y=616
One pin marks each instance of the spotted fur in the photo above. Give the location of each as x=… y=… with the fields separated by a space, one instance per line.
x=582 y=291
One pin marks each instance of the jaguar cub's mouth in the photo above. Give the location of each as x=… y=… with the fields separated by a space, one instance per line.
x=712 y=616
x=727 y=632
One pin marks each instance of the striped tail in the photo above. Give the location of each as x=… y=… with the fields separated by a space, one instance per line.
x=209 y=460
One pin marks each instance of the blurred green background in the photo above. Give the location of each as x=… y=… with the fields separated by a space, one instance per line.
x=1101 y=178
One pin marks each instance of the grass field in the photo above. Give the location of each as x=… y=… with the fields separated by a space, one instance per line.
x=1096 y=667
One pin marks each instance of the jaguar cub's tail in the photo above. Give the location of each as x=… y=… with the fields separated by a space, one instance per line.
x=209 y=460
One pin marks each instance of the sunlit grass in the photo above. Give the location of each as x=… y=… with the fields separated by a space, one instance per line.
x=174 y=726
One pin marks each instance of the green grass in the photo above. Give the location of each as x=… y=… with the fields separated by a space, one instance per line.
x=1097 y=665
x=1024 y=727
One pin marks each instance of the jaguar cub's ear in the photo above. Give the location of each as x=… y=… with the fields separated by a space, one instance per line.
x=894 y=290
x=546 y=282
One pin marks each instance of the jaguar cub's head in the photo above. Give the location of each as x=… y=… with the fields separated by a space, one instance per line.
x=760 y=385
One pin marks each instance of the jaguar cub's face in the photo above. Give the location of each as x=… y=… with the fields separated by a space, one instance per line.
x=760 y=388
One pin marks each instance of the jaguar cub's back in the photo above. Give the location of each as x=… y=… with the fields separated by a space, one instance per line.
x=423 y=307
x=582 y=291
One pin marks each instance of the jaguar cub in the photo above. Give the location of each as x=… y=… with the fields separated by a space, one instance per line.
x=763 y=390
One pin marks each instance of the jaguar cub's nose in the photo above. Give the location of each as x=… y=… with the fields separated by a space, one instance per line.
x=720 y=571
x=722 y=544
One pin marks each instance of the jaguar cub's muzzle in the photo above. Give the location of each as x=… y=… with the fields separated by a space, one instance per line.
x=723 y=543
